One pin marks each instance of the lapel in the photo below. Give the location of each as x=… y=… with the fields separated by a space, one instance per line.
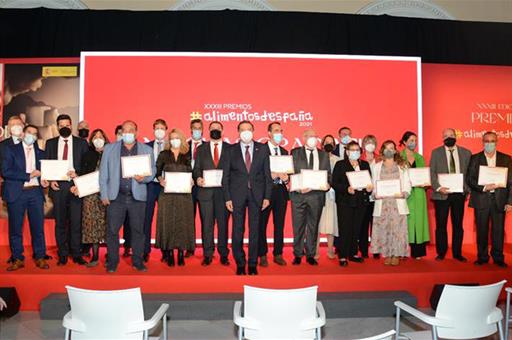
x=20 y=156
x=444 y=160
x=500 y=160
x=483 y=159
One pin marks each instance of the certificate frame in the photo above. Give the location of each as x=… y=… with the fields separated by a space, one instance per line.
x=443 y=178
x=308 y=183
x=213 y=173
x=90 y=189
x=276 y=162
x=494 y=172
x=353 y=181
x=379 y=188
x=295 y=182
x=60 y=164
x=145 y=162
x=424 y=172
x=171 y=178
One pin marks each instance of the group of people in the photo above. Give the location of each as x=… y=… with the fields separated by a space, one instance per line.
x=347 y=216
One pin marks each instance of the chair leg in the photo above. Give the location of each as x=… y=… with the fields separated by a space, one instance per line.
x=397 y=323
x=66 y=335
x=500 y=329
x=146 y=335
x=434 y=333
x=164 y=326
x=507 y=316
x=240 y=333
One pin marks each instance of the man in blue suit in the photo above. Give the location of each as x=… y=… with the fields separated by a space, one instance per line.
x=125 y=196
x=23 y=193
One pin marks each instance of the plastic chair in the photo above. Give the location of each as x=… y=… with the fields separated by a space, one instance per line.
x=114 y=314
x=462 y=313
x=279 y=314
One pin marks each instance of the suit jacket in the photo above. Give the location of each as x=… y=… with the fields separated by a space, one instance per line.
x=341 y=184
x=90 y=161
x=284 y=152
x=336 y=151
x=110 y=172
x=235 y=179
x=439 y=165
x=204 y=161
x=4 y=144
x=80 y=148
x=14 y=170
x=480 y=199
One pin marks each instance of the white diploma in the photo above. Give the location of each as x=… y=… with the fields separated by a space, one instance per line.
x=178 y=182
x=359 y=179
x=453 y=182
x=388 y=188
x=139 y=165
x=296 y=182
x=88 y=184
x=281 y=164
x=314 y=179
x=420 y=177
x=493 y=175
x=212 y=178
x=54 y=170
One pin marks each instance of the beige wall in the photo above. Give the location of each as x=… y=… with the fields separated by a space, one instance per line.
x=475 y=10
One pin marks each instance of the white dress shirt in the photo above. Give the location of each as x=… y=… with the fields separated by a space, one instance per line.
x=158 y=146
x=60 y=151
x=273 y=150
x=30 y=164
x=491 y=161
x=194 y=144
x=316 y=162
x=455 y=156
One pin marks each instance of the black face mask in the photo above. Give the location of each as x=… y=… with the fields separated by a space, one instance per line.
x=328 y=148
x=450 y=142
x=215 y=134
x=65 y=132
x=83 y=133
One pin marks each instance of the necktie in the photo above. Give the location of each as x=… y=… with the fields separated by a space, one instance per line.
x=196 y=144
x=215 y=154
x=247 y=158
x=159 y=147
x=310 y=161
x=29 y=166
x=452 y=163
x=276 y=152
x=65 y=152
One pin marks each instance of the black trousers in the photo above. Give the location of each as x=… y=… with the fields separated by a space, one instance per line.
x=350 y=222
x=497 y=218
x=153 y=191
x=453 y=205
x=278 y=205
x=240 y=208
x=195 y=202
x=366 y=229
x=67 y=209
x=211 y=211
x=306 y=213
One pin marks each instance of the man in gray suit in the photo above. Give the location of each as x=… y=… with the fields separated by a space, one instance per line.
x=307 y=204
x=449 y=159
x=124 y=196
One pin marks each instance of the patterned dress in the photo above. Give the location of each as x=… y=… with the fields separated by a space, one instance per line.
x=389 y=233
x=329 y=218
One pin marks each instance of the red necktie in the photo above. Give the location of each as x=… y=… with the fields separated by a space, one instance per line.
x=215 y=155
x=65 y=152
x=247 y=158
x=195 y=149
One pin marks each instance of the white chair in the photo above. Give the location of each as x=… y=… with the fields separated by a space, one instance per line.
x=507 y=312
x=114 y=314
x=462 y=313
x=384 y=336
x=279 y=314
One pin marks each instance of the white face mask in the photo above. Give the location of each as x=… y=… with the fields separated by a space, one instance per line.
x=159 y=134
x=369 y=147
x=246 y=136
x=311 y=142
x=16 y=130
x=98 y=143
x=175 y=143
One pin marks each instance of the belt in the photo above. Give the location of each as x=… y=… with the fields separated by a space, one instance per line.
x=30 y=187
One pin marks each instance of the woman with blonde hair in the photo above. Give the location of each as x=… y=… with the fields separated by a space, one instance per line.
x=175 y=220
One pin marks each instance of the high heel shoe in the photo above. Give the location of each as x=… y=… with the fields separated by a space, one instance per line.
x=170 y=258
x=181 y=258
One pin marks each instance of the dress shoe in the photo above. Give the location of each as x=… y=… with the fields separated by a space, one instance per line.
x=279 y=260
x=224 y=261
x=480 y=262
x=145 y=258
x=501 y=264
x=206 y=261
x=240 y=270
x=189 y=253
x=127 y=252
x=63 y=260
x=263 y=261
x=356 y=259
x=111 y=269
x=169 y=257
x=395 y=261
x=387 y=261
x=343 y=263
x=140 y=267
x=364 y=256
x=312 y=261
x=181 y=258
x=165 y=253
x=47 y=257
x=79 y=260
x=296 y=261
x=460 y=258
x=92 y=264
x=439 y=257
x=376 y=256
x=253 y=270
x=15 y=265
x=42 y=264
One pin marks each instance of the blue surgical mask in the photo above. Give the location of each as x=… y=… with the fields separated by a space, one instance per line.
x=354 y=155
x=388 y=153
x=411 y=146
x=345 y=140
x=128 y=138
x=490 y=147
x=29 y=139
x=197 y=134
x=278 y=137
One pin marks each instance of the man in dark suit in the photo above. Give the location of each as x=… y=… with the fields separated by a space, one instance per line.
x=66 y=206
x=247 y=187
x=24 y=194
x=340 y=149
x=278 y=201
x=153 y=188
x=196 y=133
x=212 y=208
x=449 y=159
x=15 y=126
x=491 y=201
x=307 y=204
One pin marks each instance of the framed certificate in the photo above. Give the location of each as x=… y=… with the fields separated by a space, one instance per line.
x=296 y=182
x=420 y=177
x=493 y=175
x=88 y=184
x=314 y=179
x=388 y=188
x=139 y=165
x=212 y=178
x=281 y=164
x=54 y=170
x=453 y=182
x=178 y=182
x=359 y=179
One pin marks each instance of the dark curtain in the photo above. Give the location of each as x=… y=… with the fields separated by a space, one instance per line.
x=65 y=33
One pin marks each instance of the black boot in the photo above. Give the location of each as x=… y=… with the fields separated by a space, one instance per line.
x=181 y=258
x=170 y=257
x=165 y=254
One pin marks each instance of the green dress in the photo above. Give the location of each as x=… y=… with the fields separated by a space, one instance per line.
x=417 y=220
